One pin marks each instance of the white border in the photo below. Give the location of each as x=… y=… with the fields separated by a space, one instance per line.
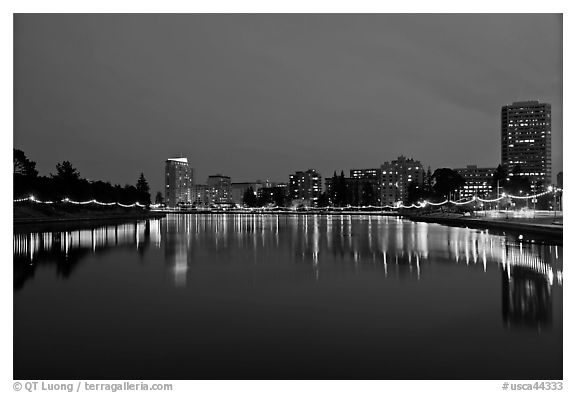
x=299 y=6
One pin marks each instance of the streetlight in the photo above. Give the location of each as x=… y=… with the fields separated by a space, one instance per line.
x=552 y=189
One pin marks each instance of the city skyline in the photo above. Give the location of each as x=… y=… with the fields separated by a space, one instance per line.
x=260 y=96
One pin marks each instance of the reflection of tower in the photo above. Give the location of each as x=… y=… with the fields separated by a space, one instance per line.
x=176 y=251
x=526 y=298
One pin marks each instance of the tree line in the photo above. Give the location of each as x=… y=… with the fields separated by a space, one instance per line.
x=66 y=182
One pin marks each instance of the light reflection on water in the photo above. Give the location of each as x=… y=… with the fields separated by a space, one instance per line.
x=225 y=260
x=390 y=243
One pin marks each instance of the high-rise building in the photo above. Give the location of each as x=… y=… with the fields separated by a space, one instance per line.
x=478 y=181
x=396 y=178
x=220 y=189
x=305 y=187
x=179 y=178
x=527 y=140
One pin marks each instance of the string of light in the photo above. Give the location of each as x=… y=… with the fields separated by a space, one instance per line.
x=92 y=201
x=399 y=206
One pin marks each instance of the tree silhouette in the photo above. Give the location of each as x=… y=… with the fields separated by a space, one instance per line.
x=67 y=183
x=25 y=174
x=445 y=181
x=428 y=181
x=143 y=190
x=367 y=194
x=499 y=178
x=159 y=198
x=66 y=172
x=517 y=184
x=323 y=200
x=343 y=190
x=22 y=165
x=250 y=198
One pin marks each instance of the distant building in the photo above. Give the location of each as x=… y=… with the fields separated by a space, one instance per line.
x=366 y=186
x=527 y=140
x=372 y=173
x=200 y=195
x=560 y=180
x=396 y=178
x=305 y=187
x=478 y=181
x=220 y=189
x=178 y=182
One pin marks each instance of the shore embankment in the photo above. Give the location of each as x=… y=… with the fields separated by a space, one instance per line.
x=549 y=227
x=50 y=215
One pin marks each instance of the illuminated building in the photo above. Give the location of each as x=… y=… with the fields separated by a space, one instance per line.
x=478 y=181
x=200 y=195
x=397 y=176
x=527 y=140
x=305 y=187
x=220 y=189
x=178 y=181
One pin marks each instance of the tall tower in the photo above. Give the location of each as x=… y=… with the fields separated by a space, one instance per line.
x=527 y=140
x=178 y=181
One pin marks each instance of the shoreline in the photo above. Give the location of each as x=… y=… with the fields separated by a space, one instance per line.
x=41 y=224
x=549 y=230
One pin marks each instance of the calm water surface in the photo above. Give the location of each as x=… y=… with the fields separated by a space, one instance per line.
x=279 y=296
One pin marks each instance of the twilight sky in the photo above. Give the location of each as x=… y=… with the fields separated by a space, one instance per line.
x=259 y=96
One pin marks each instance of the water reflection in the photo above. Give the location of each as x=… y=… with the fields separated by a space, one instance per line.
x=394 y=248
x=67 y=249
x=526 y=298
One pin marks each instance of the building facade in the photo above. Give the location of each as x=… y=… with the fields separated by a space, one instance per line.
x=305 y=187
x=200 y=195
x=527 y=140
x=396 y=178
x=478 y=181
x=179 y=178
x=220 y=189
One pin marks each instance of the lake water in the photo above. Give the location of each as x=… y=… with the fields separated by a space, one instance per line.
x=286 y=297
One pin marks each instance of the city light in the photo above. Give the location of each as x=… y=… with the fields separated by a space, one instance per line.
x=398 y=205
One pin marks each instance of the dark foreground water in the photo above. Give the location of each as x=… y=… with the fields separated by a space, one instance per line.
x=267 y=297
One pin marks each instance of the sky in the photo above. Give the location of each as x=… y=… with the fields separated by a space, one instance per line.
x=260 y=96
